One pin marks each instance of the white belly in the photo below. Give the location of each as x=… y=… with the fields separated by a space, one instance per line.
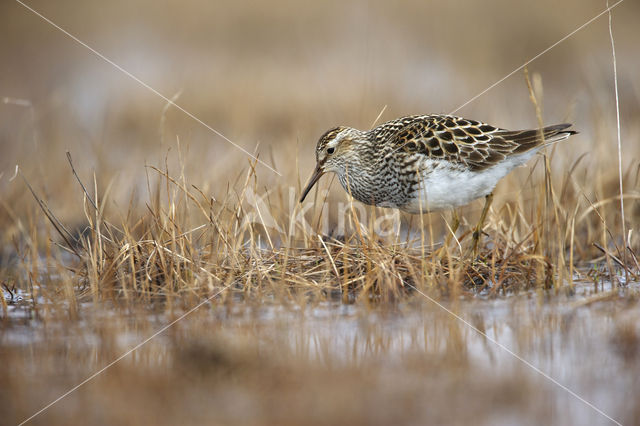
x=446 y=187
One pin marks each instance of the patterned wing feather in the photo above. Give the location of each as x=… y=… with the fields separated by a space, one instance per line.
x=471 y=143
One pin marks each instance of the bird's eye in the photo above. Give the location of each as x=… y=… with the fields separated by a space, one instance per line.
x=330 y=150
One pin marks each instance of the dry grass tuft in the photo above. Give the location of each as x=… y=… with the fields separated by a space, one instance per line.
x=244 y=306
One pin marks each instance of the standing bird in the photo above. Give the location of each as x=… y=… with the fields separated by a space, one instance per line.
x=425 y=163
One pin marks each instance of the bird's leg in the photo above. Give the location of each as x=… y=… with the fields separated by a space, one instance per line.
x=455 y=223
x=476 y=233
x=452 y=227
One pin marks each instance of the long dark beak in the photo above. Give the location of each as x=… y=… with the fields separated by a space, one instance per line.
x=314 y=178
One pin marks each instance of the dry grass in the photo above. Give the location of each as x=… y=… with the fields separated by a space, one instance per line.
x=321 y=320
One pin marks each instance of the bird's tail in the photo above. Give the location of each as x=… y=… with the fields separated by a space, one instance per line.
x=529 y=139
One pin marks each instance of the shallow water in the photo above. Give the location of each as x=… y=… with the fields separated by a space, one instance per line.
x=585 y=340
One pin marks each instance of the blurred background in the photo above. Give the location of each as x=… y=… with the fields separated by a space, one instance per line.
x=274 y=76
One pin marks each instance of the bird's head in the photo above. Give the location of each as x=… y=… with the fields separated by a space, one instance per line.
x=333 y=152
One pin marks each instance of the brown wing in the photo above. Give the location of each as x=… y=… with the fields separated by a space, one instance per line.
x=474 y=144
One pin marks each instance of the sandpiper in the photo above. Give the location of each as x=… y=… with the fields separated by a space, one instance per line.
x=425 y=163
